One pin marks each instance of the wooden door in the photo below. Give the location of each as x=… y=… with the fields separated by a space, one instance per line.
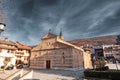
x=48 y=64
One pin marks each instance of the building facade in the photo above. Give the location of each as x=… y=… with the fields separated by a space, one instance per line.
x=22 y=53
x=112 y=51
x=14 y=53
x=87 y=59
x=56 y=53
x=7 y=51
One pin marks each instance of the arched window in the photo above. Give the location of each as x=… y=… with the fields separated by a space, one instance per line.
x=63 y=58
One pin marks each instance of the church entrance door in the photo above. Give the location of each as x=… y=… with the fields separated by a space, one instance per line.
x=48 y=64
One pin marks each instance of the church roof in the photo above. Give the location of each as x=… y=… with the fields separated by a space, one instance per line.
x=49 y=35
x=69 y=44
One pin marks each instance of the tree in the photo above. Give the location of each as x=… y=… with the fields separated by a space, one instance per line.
x=100 y=63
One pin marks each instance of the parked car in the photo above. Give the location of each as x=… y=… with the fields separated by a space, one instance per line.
x=9 y=67
x=19 y=66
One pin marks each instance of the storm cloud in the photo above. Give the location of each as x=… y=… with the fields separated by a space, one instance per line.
x=28 y=20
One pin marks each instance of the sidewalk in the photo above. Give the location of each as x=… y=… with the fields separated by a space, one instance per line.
x=7 y=73
x=113 y=66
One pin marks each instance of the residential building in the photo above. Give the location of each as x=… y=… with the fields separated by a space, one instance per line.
x=7 y=51
x=14 y=52
x=112 y=51
x=22 y=53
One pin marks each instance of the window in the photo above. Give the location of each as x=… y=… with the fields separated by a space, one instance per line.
x=8 y=51
x=7 y=59
x=63 y=58
x=48 y=44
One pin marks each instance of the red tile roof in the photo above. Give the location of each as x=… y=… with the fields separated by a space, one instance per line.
x=7 y=47
x=7 y=42
x=22 y=46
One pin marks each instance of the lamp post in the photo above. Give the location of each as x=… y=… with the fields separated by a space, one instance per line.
x=2 y=26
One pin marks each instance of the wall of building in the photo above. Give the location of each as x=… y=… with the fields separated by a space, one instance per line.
x=77 y=58
x=48 y=43
x=87 y=60
x=59 y=58
x=8 y=53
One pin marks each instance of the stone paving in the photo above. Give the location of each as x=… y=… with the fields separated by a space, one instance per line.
x=7 y=73
x=74 y=74
x=68 y=74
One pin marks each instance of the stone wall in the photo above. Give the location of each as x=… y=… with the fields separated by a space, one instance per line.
x=55 y=53
x=77 y=58
x=59 y=58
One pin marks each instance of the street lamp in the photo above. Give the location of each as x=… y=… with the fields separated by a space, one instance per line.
x=2 y=26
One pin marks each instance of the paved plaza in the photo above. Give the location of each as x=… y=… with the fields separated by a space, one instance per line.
x=7 y=73
x=74 y=74
x=67 y=74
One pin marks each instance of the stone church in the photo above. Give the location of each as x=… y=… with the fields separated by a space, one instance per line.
x=56 y=53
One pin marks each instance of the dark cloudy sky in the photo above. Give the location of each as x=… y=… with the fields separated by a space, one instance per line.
x=28 y=20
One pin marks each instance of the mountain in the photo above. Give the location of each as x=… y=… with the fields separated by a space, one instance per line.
x=103 y=40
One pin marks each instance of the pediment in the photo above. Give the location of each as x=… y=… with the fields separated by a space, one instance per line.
x=49 y=35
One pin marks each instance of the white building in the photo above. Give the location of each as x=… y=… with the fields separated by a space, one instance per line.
x=13 y=53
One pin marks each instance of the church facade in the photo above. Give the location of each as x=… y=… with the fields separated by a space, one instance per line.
x=56 y=53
